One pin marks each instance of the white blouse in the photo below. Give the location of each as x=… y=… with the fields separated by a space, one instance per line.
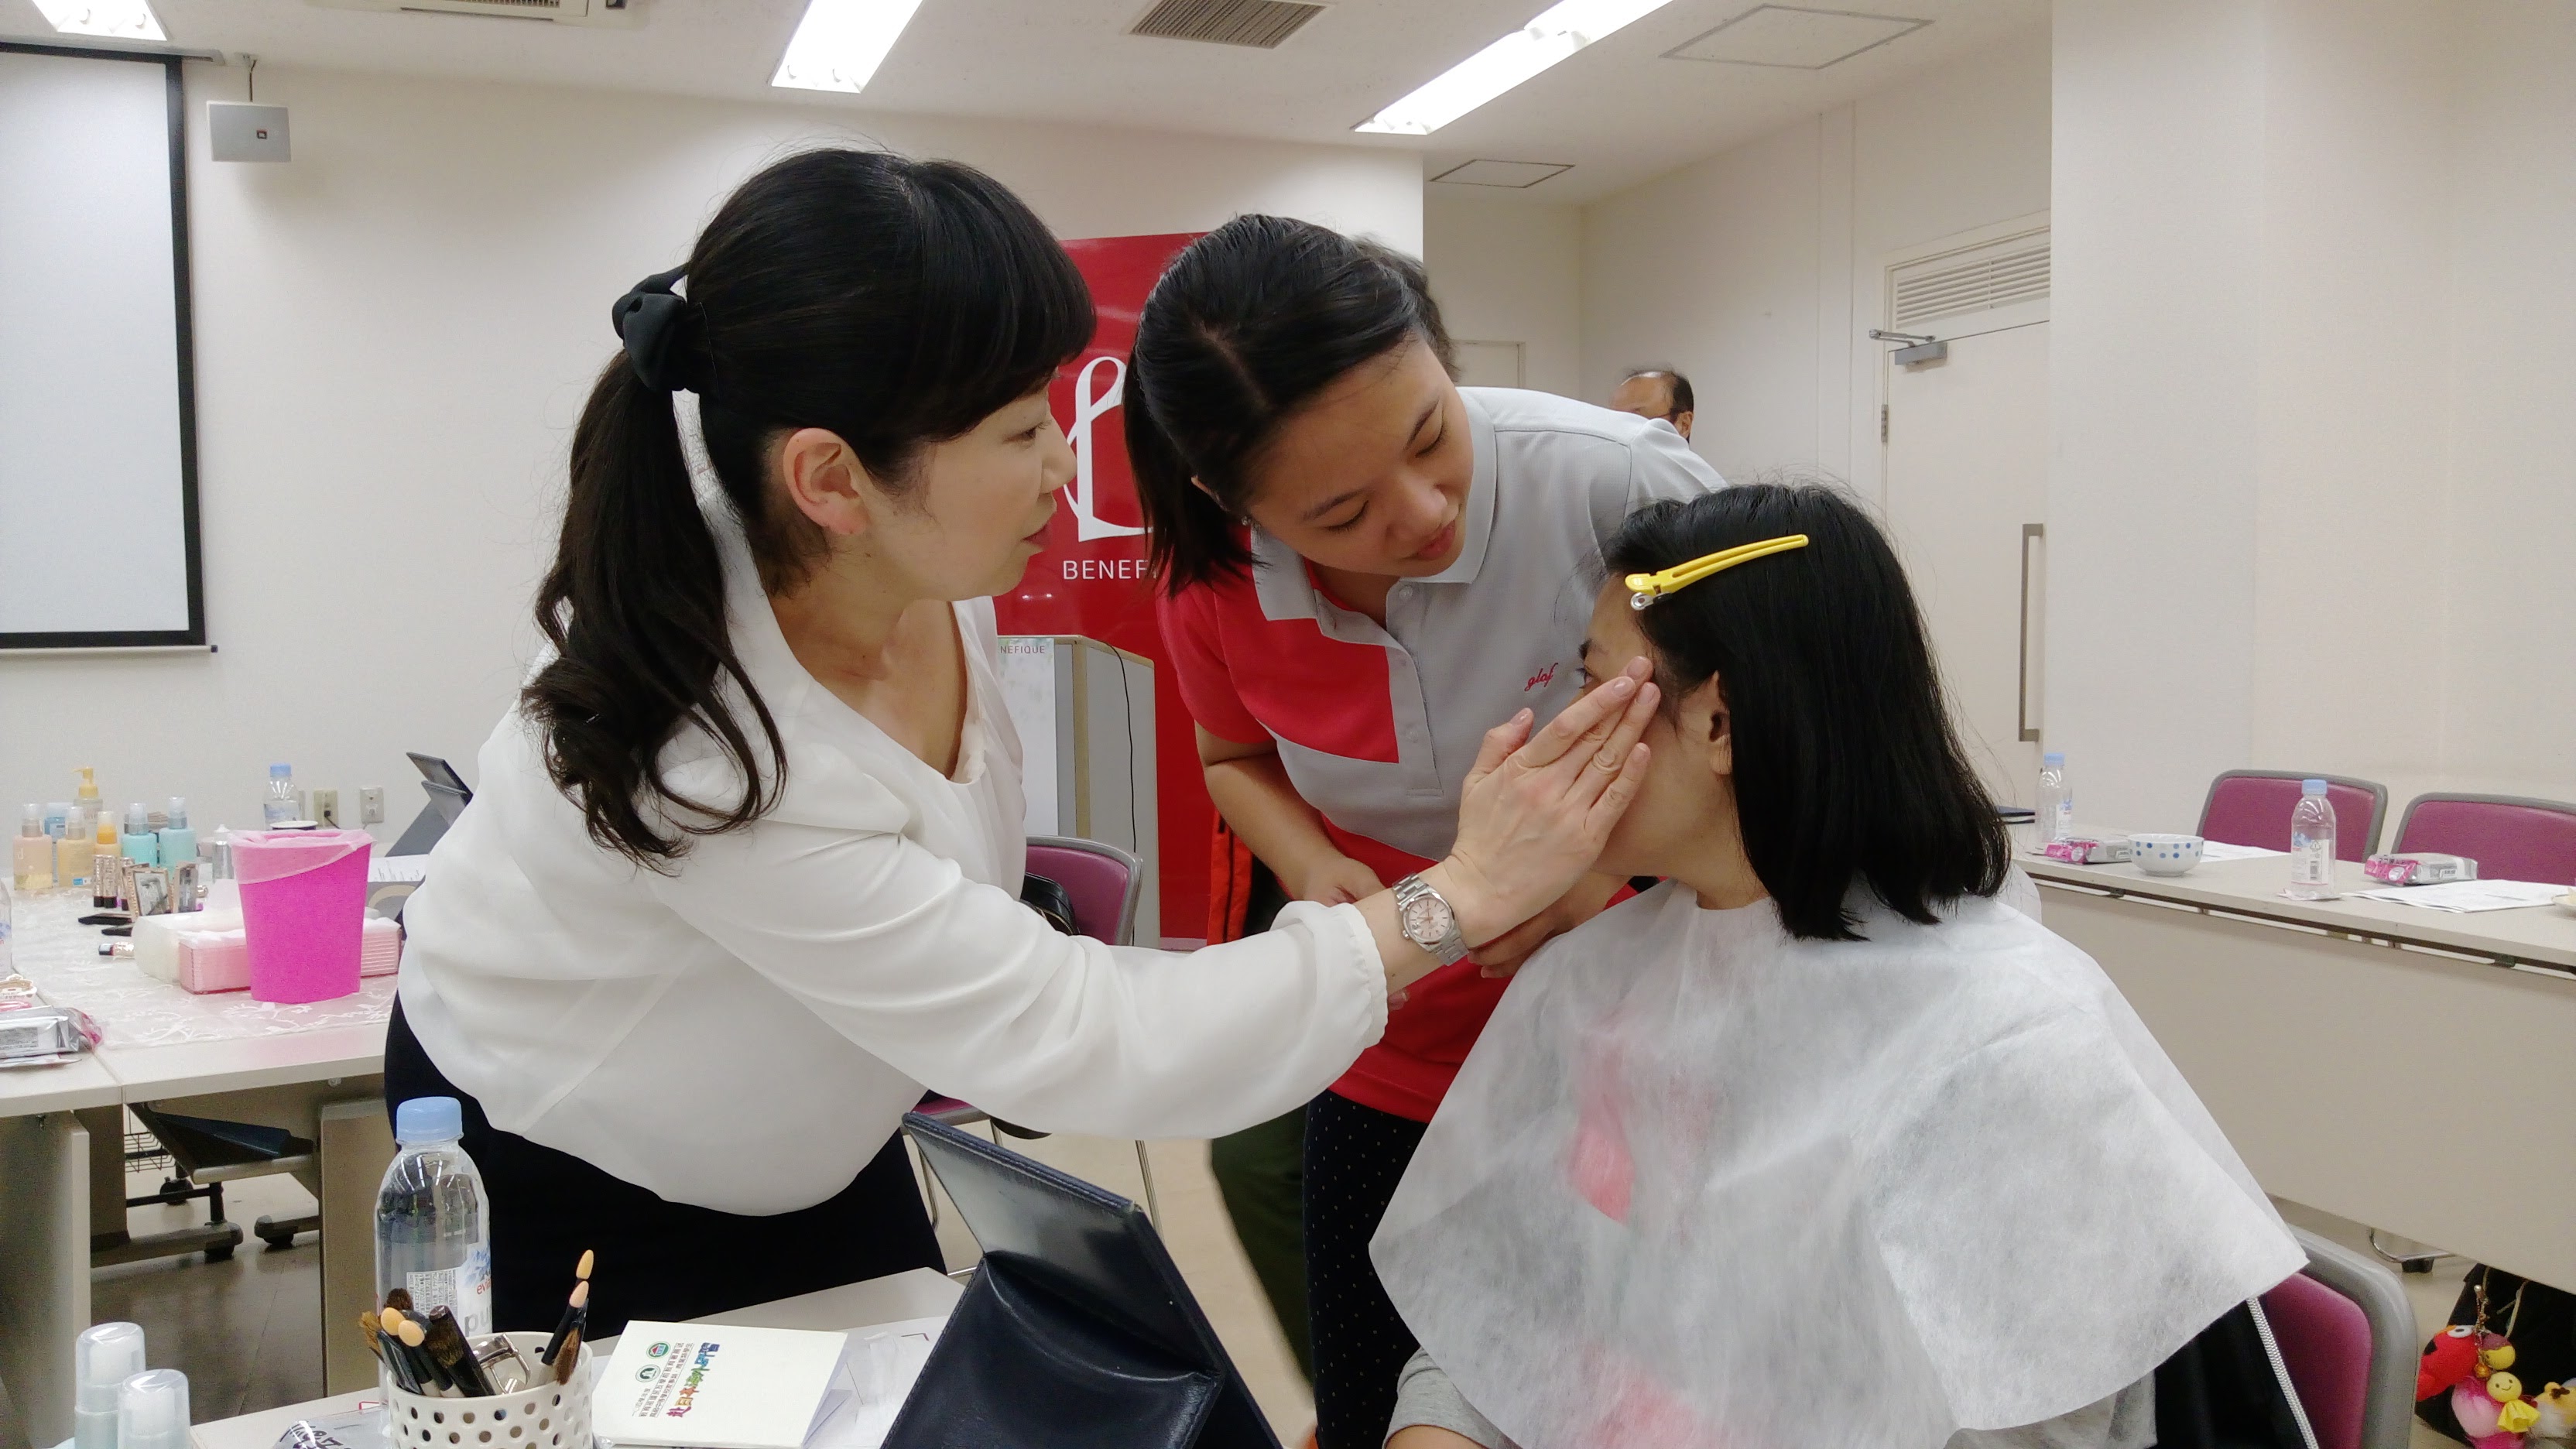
x=744 y=1032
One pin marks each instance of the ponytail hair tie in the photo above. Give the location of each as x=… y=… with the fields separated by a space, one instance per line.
x=664 y=334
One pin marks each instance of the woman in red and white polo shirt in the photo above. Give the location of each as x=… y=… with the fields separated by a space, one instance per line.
x=1365 y=567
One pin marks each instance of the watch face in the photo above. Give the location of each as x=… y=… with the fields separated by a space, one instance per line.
x=1426 y=919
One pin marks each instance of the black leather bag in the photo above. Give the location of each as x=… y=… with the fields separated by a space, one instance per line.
x=1077 y=1331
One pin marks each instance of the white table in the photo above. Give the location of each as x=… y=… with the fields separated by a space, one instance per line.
x=2403 y=1067
x=916 y=1293
x=56 y=1182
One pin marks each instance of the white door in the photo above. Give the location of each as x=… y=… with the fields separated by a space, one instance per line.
x=1967 y=491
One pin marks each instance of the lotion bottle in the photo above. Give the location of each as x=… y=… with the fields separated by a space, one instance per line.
x=178 y=842
x=142 y=846
x=31 y=855
x=73 y=852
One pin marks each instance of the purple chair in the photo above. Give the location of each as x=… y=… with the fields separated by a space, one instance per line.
x=2347 y=1336
x=2510 y=838
x=2252 y=807
x=1105 y=884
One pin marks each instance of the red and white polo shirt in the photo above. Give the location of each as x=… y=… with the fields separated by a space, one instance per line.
x=1378 y=726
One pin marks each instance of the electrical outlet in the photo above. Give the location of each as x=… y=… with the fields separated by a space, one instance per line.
x=371 y=805
x=326 y=808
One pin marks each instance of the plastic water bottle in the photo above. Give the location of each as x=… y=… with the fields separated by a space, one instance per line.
x=7 y=956
x=2312 y=845
x=433 y=1231
x=280 y=805
x=2056 y=813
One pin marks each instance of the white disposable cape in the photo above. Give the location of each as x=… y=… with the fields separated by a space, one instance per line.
x=1703 y=1186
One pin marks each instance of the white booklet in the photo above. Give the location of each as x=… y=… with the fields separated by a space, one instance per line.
x=710 y=1387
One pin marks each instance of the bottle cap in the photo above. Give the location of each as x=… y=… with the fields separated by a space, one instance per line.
x=106 y=832
x=152 y=1410
x=137 y=819
x=103 y=1357
x=33 y=821
x=429 y=1119
x=2052 y=758
x=178 y=812
x=280 y=772
x=2312 y=787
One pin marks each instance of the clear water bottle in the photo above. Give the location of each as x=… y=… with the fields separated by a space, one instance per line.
x=2312 y=845
x=2055 y=815
x=7 y=955
x=280 y=804
x=433 y=1232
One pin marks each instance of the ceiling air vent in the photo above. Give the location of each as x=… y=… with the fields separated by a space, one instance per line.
x=1982 y=279
x=1261 y=24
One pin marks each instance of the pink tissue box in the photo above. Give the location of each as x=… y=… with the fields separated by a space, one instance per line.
x=220 y=960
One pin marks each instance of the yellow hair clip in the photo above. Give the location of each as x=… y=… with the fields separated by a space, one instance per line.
x=1649 y=587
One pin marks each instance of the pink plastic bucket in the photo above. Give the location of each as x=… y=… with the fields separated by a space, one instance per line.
x=304 y=905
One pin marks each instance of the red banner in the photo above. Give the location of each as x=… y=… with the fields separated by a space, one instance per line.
x=1091 y=579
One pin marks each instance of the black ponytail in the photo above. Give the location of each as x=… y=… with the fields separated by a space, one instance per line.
x=893 y=302
x=1248 y=325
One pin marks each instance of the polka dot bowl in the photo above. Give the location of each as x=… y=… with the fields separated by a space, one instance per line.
x=548 y=1416
x=2164 y=854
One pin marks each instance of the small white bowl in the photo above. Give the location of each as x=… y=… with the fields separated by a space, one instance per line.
x=2164 y=854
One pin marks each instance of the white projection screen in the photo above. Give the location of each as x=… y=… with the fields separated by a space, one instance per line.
x=98 y=469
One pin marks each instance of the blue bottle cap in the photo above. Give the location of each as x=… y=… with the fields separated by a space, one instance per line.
x=429 y=1119
x=2312 y=787
x=279 y=772
x=2052 y=758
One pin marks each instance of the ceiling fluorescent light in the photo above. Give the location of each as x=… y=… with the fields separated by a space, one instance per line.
x=122 y=19
x=840 y=43
x=1558 y=31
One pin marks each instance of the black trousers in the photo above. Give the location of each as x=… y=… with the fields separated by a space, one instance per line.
x=1355 y=1156
x=659 y=1260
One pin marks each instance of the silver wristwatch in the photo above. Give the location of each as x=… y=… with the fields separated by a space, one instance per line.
x=1427 y=920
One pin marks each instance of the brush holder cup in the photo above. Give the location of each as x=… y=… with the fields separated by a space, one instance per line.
x=547 y=1416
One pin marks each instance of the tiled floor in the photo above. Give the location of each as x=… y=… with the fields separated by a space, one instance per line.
x=246 y=1331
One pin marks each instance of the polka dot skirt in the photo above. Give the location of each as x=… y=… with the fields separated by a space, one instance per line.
x=1355 y=1156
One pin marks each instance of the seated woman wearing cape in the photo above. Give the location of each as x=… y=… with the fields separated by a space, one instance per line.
x=1819 y=1143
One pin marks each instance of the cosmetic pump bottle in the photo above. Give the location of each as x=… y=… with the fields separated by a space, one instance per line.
x=142 y=845
x=73 y=852
x=31 y=854
x=86 y=798
x=178 y=842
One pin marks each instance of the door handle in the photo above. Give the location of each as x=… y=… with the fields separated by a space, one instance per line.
x=2021 y=710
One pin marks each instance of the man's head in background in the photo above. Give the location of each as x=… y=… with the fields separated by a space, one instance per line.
x=1656 y=392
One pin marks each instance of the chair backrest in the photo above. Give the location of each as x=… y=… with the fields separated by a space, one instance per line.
x=1104 y=881
x=2510 y=838
x=2252 y=807
x=2347 y=1336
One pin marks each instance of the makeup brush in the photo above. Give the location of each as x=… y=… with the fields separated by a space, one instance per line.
x=407 y=1339
x=570 y=1353
x=448 y=1348
x=580 y=1300
x=415 y=1341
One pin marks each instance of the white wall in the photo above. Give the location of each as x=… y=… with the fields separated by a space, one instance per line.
x=394 y=335
x=1759 y=270
x=1510 y=271
x=2310 y=372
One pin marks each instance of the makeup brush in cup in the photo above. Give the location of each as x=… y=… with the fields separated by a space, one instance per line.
x=580 y=1301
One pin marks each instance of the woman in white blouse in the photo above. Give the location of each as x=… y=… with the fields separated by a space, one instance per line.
x=741 y=877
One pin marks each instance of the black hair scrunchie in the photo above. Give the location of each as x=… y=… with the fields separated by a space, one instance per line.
x=657 y=329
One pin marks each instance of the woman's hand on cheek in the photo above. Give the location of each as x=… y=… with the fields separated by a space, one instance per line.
x=1507 y=953
x=1538 y=808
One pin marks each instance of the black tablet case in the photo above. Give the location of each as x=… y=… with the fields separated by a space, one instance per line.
x=1077 y=1330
